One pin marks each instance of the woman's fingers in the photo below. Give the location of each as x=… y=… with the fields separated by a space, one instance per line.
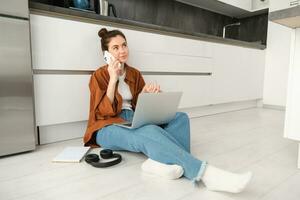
x=154 y=88
x=157 y=89
x=146 y=88
x=151 y=88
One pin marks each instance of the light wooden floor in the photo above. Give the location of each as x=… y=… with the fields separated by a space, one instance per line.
x=238 y=141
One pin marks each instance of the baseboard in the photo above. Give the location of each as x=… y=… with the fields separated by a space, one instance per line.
x=66 y=131
x=275 y=107
x=220 y=108
x=61 y=132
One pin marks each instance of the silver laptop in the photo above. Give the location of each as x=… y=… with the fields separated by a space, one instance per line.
x=154 y=108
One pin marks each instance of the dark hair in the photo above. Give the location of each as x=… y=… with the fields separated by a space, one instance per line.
x=106 y=37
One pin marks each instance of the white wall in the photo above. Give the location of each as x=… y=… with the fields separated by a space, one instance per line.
x=277 y=64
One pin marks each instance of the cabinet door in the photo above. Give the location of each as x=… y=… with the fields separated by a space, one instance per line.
x=196 y=89
x=61 y=98
x=61 y=44
x=17 y=8
x=238 y=74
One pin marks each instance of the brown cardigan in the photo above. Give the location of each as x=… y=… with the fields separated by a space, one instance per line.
x=102 y=111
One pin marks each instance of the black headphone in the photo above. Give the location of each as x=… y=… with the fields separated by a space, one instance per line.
x=93 y=159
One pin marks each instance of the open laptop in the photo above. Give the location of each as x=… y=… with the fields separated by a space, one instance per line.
x=154 y=108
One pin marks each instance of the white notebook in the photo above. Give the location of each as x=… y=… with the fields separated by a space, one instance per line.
x=71 y=154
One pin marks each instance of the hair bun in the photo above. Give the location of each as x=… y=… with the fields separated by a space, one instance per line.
x=102 y=32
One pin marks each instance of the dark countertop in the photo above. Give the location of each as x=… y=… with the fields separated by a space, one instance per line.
x=289 y=17
x=66 y=13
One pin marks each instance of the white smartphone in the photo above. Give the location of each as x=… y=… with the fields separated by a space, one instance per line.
x=107 y=57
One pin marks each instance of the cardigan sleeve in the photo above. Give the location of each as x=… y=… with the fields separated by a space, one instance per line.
x=100 y=102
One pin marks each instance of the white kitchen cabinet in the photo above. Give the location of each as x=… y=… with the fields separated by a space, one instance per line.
x=61 y=98
x=196 y=89
x=65 y=98
x=206 y=72
x=277 y=65
x=276 y=5
x=237 y=74
x=236 y=71
x=292 y=125
x=60 y=44
x=14 y=8
x=164 y=62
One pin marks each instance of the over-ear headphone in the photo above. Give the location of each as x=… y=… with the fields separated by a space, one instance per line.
x=93 y=159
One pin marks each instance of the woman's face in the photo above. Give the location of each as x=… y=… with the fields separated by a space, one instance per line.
x=118 y=48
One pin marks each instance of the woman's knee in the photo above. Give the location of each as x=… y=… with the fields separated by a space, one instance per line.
x=110 y=137
x=151 y=129
x=182 y=116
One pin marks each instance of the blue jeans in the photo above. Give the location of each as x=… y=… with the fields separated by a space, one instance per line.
x=169 y=143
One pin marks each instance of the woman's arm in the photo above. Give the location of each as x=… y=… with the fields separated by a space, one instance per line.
x=111 y=90
x=100 y=104
x=114 y=73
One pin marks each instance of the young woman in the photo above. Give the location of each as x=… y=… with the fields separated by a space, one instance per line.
x=114 y=91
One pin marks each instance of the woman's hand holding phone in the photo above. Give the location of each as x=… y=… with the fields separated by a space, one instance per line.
x=114 y=68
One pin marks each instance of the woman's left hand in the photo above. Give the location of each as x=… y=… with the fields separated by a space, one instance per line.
x=151 y=88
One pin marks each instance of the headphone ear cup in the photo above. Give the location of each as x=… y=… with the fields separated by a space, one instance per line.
x=106 y=153
x=92 y=159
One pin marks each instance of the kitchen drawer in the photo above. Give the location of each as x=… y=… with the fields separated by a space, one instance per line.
x=196 y=89
x=60 y=44
x=164 y=62
x=238 y=74
x=17 y=8
x=61 y=98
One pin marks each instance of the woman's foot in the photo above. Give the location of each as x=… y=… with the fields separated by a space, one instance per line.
x=220 y=180
x=161 y=169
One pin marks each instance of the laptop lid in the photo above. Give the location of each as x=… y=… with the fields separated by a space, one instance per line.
x=155 y=108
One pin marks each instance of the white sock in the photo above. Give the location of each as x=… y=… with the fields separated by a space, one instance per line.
x=220 y=180
x=161 y=169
